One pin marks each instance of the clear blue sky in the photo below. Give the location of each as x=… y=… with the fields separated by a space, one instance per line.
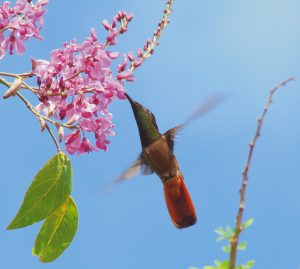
x=243 y=48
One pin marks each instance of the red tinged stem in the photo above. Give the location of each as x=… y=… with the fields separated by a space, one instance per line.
x=179 y=202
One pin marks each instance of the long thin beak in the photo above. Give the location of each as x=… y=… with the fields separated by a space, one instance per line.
x=129 y=99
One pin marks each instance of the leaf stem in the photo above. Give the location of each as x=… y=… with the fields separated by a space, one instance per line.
x=239 y=217
x=53 y=138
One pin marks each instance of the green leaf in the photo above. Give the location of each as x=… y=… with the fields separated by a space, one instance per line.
x=224 y=265
x=220 y=231
x=249 y=264
x=209 y=267
x=226 y=233
x=57 y=232
x=222 y=234
x=49 y=189
x=247 y=223
x=226 y=249
x=242 y=246
x=218 y=263
x=229 y=230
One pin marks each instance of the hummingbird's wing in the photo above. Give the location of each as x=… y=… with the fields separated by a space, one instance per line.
x=138 y=166
x=171 y=135
x=209 y=104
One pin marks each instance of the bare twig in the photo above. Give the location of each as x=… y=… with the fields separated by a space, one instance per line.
x=239 y=217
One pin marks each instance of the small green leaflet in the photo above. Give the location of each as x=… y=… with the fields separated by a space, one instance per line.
x=219 y=265
x=49 y=189
x=57 y=232
x=247 y=223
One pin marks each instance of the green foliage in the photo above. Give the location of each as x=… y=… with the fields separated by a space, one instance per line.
x=248 y=265
x=49 y=189
x=57 y=232
x=227 y=234
x=242 y=246
x=247 y=223
x=226 y=249
x=225 y=265
x=48 y=197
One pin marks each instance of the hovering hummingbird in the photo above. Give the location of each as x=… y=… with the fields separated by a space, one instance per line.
x=158 y=156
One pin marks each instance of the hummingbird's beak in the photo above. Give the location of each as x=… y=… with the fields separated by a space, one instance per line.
x=129 y=99
x=135 y=105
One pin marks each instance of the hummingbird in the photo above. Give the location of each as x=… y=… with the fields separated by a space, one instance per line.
x=158 y=156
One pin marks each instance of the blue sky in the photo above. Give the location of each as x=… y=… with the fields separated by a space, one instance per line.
x=241 y=48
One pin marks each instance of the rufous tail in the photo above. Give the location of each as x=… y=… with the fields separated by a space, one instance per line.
x=179 y=202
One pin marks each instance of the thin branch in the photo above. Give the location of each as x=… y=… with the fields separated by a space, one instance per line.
x=5 y=82
x=153 y=43
x=31 y=108
x=28 y=74
x=239 y=217
x=122 y=28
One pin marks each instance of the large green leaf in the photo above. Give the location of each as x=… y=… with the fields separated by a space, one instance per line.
x=57 y=232
x=49 y=189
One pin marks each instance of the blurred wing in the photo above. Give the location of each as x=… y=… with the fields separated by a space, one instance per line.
x=138 y=166
x=171 y=135
x=208 y=105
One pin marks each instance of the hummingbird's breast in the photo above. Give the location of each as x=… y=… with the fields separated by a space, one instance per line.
x=161 y=159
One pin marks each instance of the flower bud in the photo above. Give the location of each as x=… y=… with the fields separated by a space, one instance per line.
x=42 y=123
x=60 y=131
x=129 y=17
x=15 y=86
x=130 y=56
x=106 y=25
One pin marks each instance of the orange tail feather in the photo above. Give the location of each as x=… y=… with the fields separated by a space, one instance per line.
x=179 y=202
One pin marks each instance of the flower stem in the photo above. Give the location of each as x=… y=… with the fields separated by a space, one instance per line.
x=31 y=108
x=239 y=217
x=28 y=74
x=4 y=82
x=154 y=41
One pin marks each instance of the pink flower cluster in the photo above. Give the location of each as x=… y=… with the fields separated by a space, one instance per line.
x=20 y=22
x=77 y=85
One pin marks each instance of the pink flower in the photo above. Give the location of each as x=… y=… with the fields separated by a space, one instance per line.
x=102 y=142
x=22 y=21
x=13 y=43
x=72 y=142
x=85 y=146
x=126 y=75
x=77 y=85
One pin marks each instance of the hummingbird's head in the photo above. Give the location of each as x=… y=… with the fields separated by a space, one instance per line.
x=146 y=122
x=141 y=113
